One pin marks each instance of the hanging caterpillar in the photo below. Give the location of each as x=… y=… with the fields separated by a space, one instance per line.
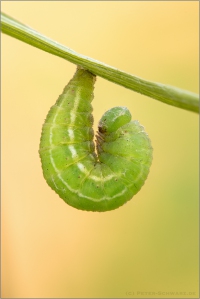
x=83 y=179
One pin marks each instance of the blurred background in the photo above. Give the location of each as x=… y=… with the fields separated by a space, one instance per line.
x=149 y=247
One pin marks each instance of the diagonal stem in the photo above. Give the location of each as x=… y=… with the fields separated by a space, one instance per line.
x=167 y=94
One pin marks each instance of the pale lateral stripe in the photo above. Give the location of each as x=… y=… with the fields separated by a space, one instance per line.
x=82 y=168
x=80 y=194
x=94 y=177
x=139 y=175
x=71 y=189
x=88 y=197
x=104 y=179
x=72 y=114
x=105 y=197
x=60 y=177
x=71 y=134
x=74 y=110
x=54 y=183
x=51 y=132
x=73 y=151
x=72 y=117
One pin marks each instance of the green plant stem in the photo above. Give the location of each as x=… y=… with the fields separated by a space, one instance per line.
x=167 y=94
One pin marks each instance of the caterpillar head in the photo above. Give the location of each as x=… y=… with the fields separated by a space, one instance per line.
x=113 y=119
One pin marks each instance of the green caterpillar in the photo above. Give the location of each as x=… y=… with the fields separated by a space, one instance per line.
x=86 y=180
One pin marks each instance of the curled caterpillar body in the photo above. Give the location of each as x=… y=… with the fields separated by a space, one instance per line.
x=83 y=179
